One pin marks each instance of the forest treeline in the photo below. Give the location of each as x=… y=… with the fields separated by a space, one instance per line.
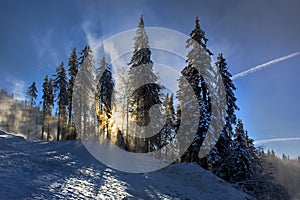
x=287 y=172
x=83 y=93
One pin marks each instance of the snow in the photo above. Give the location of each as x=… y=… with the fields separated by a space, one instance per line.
x=65 y=170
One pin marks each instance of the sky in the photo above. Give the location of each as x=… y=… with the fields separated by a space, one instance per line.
x=36 y=36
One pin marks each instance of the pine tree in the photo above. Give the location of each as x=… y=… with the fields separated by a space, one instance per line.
x=171 y=110
x=273 y=154
x=248 y=169
x=229 y=87
x=198 y=35
x=168 y=131
x=219 y=151
x=73 y=70
x=145 y=95
x=198 y=58
x=177 y=117
x=284 y=157
x=32 y=94
x=238 y=166
x=269 y=153
x=48 y=102
x=104 y=92
x=60 y=85
x=84 y=90
x=121 y=99
x=169 y=128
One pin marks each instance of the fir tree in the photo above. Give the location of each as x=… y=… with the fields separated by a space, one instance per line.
x=169 y=128
x=73 y=70
x=145 y=95
x=198 y=35
x=229 y=87
x=168 y=131
x=48 y=102
x=238 y=166
x=219 y=151
x=249 y=170
x=198 y=58
x=269 y=153
x=60 y=85
x=32 y=94
x=122 y=106
x=284 y=157
x=84 y=90
x=104 y=92
x=273 y=154
x=177 y=117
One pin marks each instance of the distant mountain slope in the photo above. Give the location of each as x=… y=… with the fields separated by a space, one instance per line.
x=65 y=170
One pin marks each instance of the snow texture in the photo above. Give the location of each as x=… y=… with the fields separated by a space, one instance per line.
x=65 y=170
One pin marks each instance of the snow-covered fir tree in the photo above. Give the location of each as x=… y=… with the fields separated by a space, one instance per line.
x=218 y=153
x=198 y=58
x=104 y=91
x=121 y=99
x=167 y=133
x=169 y=127
x=84 y=90
x=238 y=165
x=247 y=168
x=143 y=96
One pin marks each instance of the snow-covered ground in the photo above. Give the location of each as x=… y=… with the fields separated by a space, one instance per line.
x=65 y=170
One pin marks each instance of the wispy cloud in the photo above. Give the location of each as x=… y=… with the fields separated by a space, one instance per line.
x=17 y=88
x=277 y=140
x=93 y=40
x=113 y=47
x=43 y=44
x=259 y=67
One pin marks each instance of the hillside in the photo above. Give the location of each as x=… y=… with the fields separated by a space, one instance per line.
x=65 y=170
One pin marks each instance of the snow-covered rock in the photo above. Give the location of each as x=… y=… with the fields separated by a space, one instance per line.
x=65 y=170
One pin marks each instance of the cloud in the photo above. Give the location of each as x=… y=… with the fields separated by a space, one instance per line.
x=277 y=140
x=91 y=36
x=18 y=89
x=259 y=67
x=43 y=44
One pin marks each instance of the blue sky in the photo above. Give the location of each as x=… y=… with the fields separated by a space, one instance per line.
x=36 y=36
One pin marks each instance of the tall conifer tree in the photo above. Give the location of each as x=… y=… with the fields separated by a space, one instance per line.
x=73 y=70
x=32 y=94
x=198 y=58
x=48 y=102
x=219 y=153
x=104 y=93
x=145 y=95
x=60 y=85
x=85 y=93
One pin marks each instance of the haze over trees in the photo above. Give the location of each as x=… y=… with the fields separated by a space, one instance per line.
x=287 y=171
x=234 y=158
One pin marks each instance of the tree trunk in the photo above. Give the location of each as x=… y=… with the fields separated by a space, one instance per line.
x=42 y=137
x=48 y=132
x=58 y=130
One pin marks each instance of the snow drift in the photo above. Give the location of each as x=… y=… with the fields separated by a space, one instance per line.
x=65 y=170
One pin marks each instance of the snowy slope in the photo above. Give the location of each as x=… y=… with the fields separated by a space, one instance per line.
x=65 y=170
